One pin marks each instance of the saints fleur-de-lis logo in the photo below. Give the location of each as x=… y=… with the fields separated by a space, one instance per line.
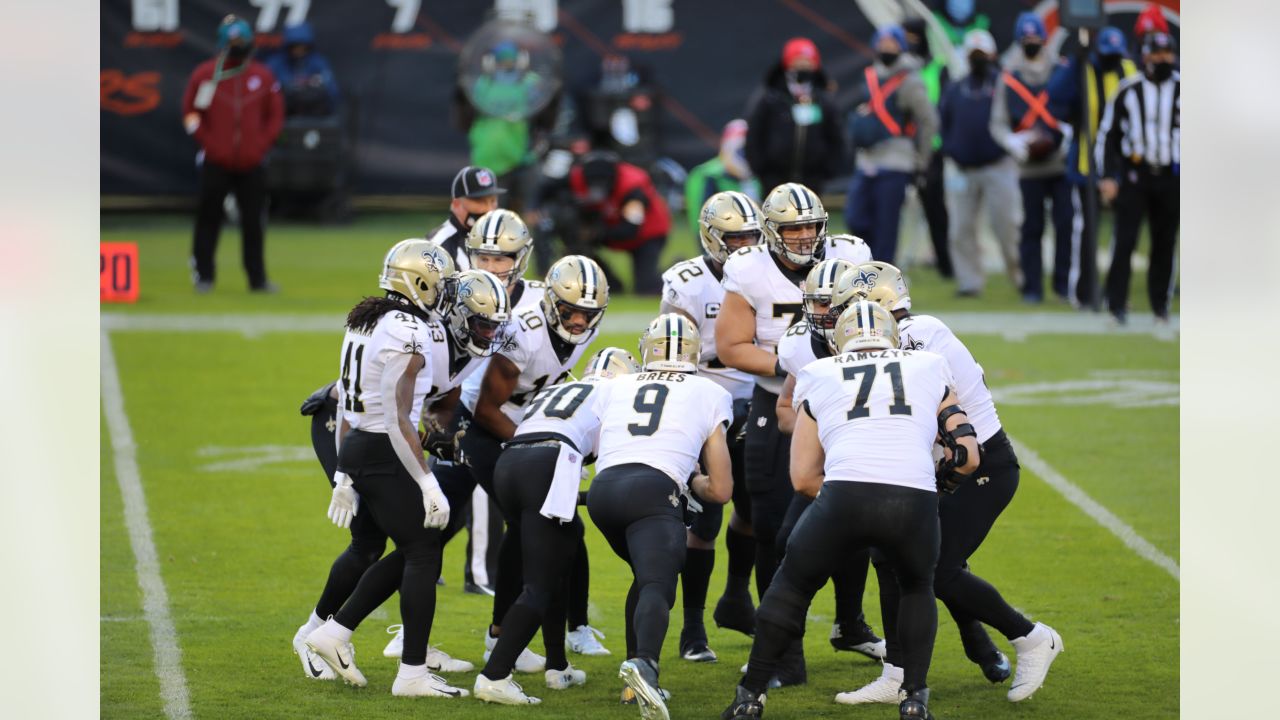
x=913 y=344
x=865 y=278
x=413 y=346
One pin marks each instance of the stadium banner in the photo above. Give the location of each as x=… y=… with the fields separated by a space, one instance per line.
x=396 y=62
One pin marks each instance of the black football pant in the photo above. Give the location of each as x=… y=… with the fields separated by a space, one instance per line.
x=851 y=516
x=632 y=506
x=546 y=548
x=848 y=580
x=393 y=502
x=1156 y=198
x=250 y=188
x=699 y=563
x=966 y=517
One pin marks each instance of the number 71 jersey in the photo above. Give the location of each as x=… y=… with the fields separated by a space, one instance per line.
x=659 y=419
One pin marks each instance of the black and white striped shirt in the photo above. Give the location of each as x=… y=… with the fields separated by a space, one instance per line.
x=450 y=236
x=1141 y=126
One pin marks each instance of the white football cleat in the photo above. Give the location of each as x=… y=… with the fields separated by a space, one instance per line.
x=505 y=691
x=312 y=666
x=527 y=661
x=395 y=648
x=417 y=681
x=441 y=661
x=339 y=654
x=1035 y=653
x=883 y=689
x=585 y=640
x=566 y=678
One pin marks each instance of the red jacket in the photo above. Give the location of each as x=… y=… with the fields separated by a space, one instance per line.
x=242 y=122
x=631 y=182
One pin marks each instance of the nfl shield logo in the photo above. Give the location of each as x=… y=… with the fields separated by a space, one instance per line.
x=485 y=178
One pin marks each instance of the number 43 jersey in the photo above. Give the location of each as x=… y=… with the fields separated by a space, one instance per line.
x=659 y=419
x=877 y=414
x=773 y=291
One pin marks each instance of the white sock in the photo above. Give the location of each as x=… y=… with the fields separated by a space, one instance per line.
x=313 y=622
x=331 y=627
x=412 y=671
x=893 y=672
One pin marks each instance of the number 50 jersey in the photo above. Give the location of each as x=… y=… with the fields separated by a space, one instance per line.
x=659 y=419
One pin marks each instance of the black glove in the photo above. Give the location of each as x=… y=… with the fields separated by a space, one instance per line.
x=316 y=400
x=442 y=444
x=947 y=479
x=779 y=371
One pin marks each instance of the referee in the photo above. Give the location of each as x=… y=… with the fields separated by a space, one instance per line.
x=475 y=192
x=1139 y=156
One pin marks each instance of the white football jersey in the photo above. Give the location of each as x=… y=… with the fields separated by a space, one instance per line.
x=530 y=297
x=877 y=414
x=773 y=291
x=567 y=409
x=925 y=332
x=692 y=287
x=363 y=359
x=531 y=349
x=659 y=419
x=797 y=348
x=446 y=374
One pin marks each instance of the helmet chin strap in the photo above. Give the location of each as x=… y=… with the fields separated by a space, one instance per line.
x=413 y=291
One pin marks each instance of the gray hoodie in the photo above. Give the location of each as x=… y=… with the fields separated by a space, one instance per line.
x=1033 y=72
x=907 y=154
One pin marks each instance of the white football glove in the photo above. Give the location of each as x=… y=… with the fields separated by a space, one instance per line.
x=434 y=503
x=1018 y=146
x=345 y=503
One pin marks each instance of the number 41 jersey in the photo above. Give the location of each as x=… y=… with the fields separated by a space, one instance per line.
x=659 y=419
x=363 y=359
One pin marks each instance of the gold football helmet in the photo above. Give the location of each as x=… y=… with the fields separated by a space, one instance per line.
x=500 y=233
x=480 y=312
x=792 y=205
x=610 y=363
x=816 y=293
x=575 y=286
x=876 y=281
x=419 y=270
x=725 y=217
x=864 y=325
x=671 y=342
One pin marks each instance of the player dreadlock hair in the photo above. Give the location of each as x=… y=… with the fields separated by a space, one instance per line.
x=366 y=313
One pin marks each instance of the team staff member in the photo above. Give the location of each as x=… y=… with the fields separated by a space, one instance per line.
x=617 y=202
x=1139 y=160
x=536 y=479
x=727 y=222
x=474 y=192
x=966 y=514
x=762 y=299
x=234 y=110
x=866 y=442
x=654 y=427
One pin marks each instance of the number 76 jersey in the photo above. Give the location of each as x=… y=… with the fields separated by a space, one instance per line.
x=659 y=419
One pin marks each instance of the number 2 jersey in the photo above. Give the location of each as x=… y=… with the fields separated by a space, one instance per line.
x=925 y=332
x=364 y=357
x=694 y=288
x=773 y=291
x=659 y=419
x=877 y=414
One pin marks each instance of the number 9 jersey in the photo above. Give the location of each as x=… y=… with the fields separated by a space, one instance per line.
x=659 y=419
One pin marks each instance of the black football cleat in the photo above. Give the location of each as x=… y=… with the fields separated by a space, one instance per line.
x=791 y=667
x=694 y=647
x=915 y=705
x=857 y=636
x=746 y=705
x=736 y=612
x=996 y=670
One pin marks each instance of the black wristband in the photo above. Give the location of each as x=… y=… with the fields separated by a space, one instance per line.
x=778 y=370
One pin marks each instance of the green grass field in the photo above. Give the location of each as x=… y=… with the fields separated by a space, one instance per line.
x=237 y=510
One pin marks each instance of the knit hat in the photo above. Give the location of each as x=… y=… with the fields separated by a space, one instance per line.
x=1027 y=25
x=797 y=48
x=894 y=31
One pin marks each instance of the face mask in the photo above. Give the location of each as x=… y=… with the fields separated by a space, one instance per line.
x=1031 y=50
x=978 y=64
x=471 y=218
x=803 y=77
x=1161 y=71
x=1109 y=63
x=238 y=52
x=888 y=58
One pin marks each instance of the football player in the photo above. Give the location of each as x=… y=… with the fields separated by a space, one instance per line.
x=728 y=222
x=654 y=427
x=864 y=436
x=387 y=375
x=536 y=479
x=966 y=515
x=762 y=299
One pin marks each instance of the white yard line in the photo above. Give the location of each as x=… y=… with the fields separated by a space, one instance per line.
x=155 y=601
x=1029 y=459
x=1010 y=325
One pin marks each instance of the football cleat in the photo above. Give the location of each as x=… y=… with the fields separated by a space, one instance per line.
x=418 y=682
x=915 y=705
x=1035 y=653
x=642 y=677
x=629 y=695
x=736 y=612
x=857 y=637
x=694 y=648
x=438 y=661
x=566 y=678
x=527 y=661
x=504 y=692
x=338 y=654
x=396 y=647
x=883 y=689
x=997 y=670
x=746 y=705
x=585 y=640
x=312 y=666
